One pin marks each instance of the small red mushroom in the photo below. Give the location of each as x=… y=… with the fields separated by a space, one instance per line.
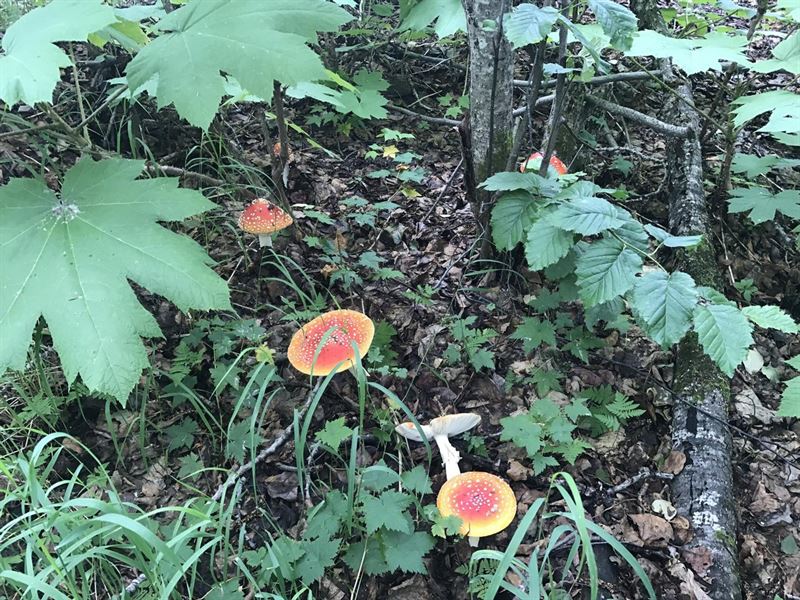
x=264 y=218
x=533 y=162
x=485 y=503
x=315 y=351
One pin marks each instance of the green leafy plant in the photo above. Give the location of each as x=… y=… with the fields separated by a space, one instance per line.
x=99 y=232
x=609 y=410
x=471 y=342
x=547 y=429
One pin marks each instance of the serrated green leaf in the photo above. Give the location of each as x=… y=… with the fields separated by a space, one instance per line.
x=69 y=260
x=30 y=62
x=256 y=42
x=753 y=166
x=386 y=510
x=724 y=333
x=334 y=433
x=771 y=317
x=512 y=216
x=405 y=552
x=181 y=434
x=618 y=22
x=319 y=555
x=546 y=244
x=523 y=432
x=448 y=14
x=781 y=103
x=787 y=57
x=632 y=232
x=763 y=205
x=417 y=480
x=790 y=399
x=509 y=181
x=534 y=333
x=587 y=216
x=605 y=270
x=672 y=241
x=663 y=304
x=794 y=362
x=529 y=24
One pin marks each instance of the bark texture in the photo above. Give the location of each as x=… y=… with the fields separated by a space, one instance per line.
x=491 y=76
x=703 y=491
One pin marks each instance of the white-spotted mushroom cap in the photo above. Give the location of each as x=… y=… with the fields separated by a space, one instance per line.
x=345 y=327
x=485 y=503
x=263 y=217
x=409 y=431
x=450 y=425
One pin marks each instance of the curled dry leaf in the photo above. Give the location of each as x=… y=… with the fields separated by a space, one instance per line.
x=675 y=462
x=648 y=530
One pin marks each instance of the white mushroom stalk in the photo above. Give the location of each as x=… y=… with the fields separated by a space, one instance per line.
x=439 y=430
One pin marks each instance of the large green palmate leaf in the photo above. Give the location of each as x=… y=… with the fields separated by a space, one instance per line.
x=606 y=269
x=693 y=55
x=663 y=303
x=30 y=61
x=69 y=259
x=255 y=41
x=763 y=204
x=724 y=333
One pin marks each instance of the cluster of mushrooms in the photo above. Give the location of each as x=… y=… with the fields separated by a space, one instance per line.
x=484 y=502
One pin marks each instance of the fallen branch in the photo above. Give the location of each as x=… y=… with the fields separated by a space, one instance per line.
x=666 y=129
x=268 y=451
x=599 y=80
x=178 y=172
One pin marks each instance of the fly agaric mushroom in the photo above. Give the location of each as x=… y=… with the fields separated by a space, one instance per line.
x=534 y=160
x=264 y=218
x=325 y=342
x=440 y=429
x=485 y=504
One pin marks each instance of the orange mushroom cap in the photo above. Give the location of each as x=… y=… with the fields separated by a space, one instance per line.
x=484 y=502
x=555 y=162
x=263 y=217
x=345 y=326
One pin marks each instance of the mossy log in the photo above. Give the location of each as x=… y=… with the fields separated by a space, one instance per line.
x=703 y=492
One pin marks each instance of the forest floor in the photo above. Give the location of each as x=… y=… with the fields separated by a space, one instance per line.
x=424 y=232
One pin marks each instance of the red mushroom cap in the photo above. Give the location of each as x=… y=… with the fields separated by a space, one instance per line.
x=263 y=217
x=485 y=503
x=555 y=162
x=346 y=326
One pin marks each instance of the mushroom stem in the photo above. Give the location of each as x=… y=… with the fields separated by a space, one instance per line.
x=265 y=240
x=473 y=541
x=450 y=456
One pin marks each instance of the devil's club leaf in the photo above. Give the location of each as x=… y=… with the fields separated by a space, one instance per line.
x=30 y=62
x=664 y=304
x=763 y=204
x=255 y=41
x=69 y=260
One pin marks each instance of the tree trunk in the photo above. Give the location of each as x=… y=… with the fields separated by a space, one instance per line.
x=488 y=139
